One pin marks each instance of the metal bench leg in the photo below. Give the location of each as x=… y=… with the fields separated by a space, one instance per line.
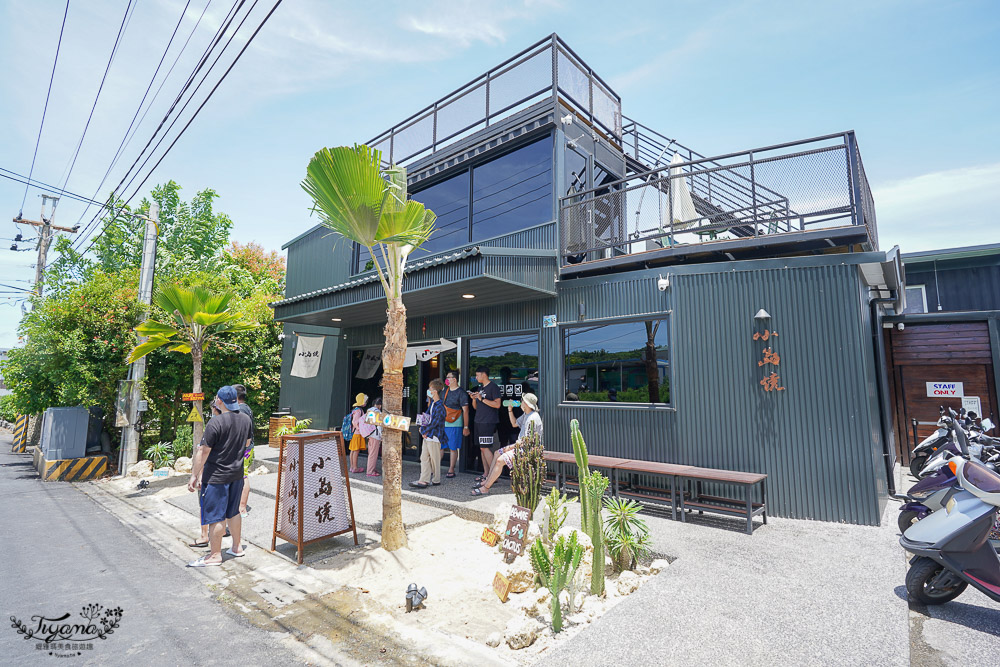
x=763 y=500
x=747 y=490
x=673 y=498
x=680 y=495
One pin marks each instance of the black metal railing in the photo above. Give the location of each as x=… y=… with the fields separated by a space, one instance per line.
x=798 y=186
x=548 y=69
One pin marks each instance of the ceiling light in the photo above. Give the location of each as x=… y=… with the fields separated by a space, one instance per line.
x=468 y=296
x=336 y=319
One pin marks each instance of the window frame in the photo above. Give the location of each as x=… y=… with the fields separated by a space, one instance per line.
x=469 y=166
x=666 y=316
x=923 y=297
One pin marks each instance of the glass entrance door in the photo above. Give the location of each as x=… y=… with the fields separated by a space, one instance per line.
x=512 y=363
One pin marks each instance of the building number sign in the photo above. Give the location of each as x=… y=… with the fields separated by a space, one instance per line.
x=769 y=357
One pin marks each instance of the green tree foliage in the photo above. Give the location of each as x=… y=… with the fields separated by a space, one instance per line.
x=78 y=338
x=77 y=343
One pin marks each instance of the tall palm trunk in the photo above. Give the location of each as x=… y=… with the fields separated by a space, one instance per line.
x=393 y=356
x=198 y=427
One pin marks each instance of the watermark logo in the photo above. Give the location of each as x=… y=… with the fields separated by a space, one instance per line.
x=65 y=636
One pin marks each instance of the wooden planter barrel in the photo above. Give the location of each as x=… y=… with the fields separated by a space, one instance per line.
x=276 y=423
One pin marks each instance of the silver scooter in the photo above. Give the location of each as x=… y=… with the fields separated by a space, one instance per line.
x=951 y=547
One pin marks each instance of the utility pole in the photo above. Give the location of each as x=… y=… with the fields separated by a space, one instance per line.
x=45 y=237
x=130 y=434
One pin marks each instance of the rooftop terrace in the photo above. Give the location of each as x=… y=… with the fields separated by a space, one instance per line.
x=674 y=204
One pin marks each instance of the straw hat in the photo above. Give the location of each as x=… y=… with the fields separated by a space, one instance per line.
x=530 y=400
x=360 y=400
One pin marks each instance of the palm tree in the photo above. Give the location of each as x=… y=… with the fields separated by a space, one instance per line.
x=198 y=316
x=367 y=204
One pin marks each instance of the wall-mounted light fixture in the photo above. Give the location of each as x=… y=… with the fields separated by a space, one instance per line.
x=663 y=283
x=762 y=315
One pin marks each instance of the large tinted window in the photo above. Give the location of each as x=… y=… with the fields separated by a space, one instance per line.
x=450 y=202
x=628 y=362
x=512 y=363
x=513 y=191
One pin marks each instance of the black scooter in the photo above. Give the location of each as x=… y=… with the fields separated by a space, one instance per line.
x=951 y=547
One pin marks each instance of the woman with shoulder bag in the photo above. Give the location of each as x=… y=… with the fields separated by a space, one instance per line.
x=456 y=420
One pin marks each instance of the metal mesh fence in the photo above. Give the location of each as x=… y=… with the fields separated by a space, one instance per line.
x=803 y=187
x=523 y=80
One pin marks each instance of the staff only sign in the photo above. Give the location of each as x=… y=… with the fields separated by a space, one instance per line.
x=945 y=390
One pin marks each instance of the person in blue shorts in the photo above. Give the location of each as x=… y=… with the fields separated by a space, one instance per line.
x=217 y=473
x=456 y=421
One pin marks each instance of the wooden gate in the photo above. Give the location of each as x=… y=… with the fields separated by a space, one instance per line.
x=937 y=353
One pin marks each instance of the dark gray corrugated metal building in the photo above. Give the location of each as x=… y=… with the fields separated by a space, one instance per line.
x=557 y=220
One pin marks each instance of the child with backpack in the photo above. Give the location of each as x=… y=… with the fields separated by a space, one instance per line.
x=351 y=428
x=374 y=436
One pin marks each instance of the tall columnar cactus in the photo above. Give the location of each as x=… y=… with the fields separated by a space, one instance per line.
x=592 y=488
x=557 y=571
x=528 y=472
x=582 y=469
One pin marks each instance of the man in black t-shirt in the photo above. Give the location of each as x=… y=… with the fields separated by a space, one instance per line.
x=218 y=472
x=486 y=403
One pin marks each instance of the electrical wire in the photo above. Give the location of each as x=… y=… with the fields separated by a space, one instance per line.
x=226 y=23
x=45 y=108
x=195 y=91
x=21 y=178
x=207 y=98
x=89 y=227
x=129 y=9
x=127 y=138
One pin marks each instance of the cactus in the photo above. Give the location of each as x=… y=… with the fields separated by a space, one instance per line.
x=592 y=488
x=558 y=505
x=528 y=471
x=557 y=571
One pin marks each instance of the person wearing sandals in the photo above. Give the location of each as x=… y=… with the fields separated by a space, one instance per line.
x=202 y=540
x=432 y=433
x=456 y=420
x=217 y=472
x=531 y=420
x=373 y=433
x=357 y=440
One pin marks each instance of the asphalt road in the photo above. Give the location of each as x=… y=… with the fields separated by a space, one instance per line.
x=60 y=552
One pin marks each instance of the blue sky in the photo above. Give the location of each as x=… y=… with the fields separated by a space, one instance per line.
x=919 y=81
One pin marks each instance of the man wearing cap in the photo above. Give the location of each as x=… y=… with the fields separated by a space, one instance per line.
x=218 y=473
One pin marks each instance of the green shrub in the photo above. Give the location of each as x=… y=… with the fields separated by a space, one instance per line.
x=161 y=454
x=183 y=441
x=626 y=535
x=7 y=411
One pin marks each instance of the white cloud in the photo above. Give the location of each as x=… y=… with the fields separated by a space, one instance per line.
x=941 y=209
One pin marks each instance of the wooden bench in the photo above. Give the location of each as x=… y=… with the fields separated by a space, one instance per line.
x=679 y=478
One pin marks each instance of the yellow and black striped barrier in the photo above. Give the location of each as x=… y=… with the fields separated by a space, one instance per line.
x=20 y=434
x=74 y=470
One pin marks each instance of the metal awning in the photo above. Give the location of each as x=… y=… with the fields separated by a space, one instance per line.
x=432 y=285
x=887 y=278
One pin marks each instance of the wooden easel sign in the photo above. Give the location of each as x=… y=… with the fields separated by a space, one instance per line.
x=314 y=492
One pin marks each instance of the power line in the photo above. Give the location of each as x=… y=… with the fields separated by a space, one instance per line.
x=45 y=108
x=21 y=178
x=226 y=23
x=114 y=50
x=126 y=138
x=219 y=36
x=207 y=98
